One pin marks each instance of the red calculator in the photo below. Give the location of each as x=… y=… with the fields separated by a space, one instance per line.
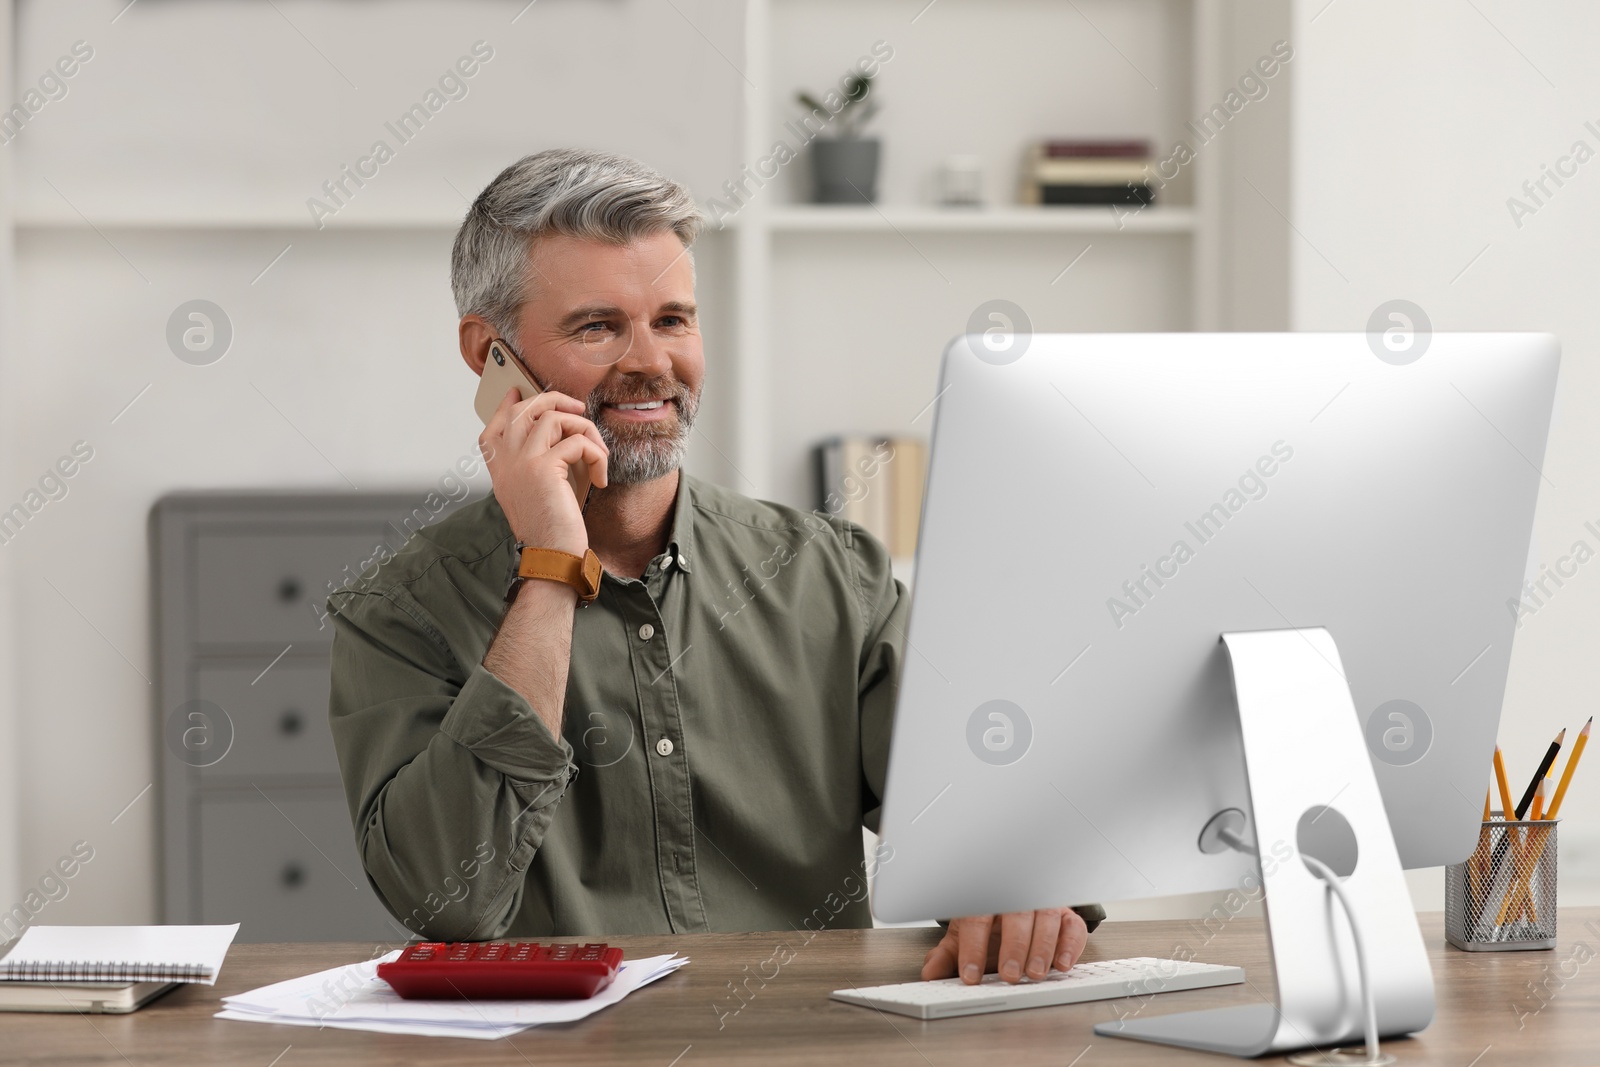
x=501 y=970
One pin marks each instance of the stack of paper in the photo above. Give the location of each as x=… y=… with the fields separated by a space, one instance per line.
x=355 y=998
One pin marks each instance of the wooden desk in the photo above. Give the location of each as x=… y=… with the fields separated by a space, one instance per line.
x=1494 y=1009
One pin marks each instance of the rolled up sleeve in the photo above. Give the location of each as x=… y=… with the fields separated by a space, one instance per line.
x=501 y=728
x=885 y=606
x=452 y=777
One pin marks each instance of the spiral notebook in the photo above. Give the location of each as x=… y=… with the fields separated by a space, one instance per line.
x=118 y=954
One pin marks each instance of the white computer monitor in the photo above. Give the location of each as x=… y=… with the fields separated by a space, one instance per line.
x=1101 y=508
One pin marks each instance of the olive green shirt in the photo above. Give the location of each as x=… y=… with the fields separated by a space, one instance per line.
x=724 y=737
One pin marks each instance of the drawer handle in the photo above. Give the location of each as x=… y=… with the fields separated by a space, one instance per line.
x=289 y=590
x=293 y=876
x=291 y=723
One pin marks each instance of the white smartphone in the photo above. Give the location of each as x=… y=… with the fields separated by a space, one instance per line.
x=502 y=372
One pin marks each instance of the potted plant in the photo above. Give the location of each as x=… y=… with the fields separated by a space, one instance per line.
x=844 y=164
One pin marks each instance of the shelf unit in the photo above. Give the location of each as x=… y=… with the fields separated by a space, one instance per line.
x=785 y=219
x=983 y=220
x=765 y=225
x=762 y=239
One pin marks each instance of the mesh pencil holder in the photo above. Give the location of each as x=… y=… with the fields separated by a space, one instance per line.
x=1504 y=896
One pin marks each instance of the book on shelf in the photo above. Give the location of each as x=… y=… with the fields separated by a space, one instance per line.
x=1132 y=148
x=876 y=483
x=1067 y=193
x=1087 y=172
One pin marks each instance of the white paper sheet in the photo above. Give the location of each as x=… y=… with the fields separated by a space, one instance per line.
x=353 y=997
x=376 y=1026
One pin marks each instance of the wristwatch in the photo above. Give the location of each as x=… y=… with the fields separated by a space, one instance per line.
x=580 y=572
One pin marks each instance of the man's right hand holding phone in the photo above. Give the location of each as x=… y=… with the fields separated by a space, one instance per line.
x=531 y=448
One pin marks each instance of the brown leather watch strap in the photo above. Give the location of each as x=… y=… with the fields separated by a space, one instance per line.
x=580 y=572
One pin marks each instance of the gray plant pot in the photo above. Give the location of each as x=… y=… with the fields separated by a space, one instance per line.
x=845 y=171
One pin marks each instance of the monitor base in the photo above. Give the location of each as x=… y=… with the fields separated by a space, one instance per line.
x=1304 y=753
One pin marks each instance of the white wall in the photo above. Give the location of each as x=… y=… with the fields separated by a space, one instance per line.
x=204 y=110
x=343 y=368
x=1254 y=182
x=1413 y=123
x=10 y=791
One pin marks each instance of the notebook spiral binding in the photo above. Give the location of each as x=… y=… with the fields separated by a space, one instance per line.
x=103 y=971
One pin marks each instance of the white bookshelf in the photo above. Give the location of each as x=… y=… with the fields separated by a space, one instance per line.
x=786 y=251
x=979 y=221
x=967 y=75
x=789 y=218
x=980 y=77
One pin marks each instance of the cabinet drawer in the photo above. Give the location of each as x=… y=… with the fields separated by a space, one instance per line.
x=280 y=719
x=258 y=868
x=263 y=587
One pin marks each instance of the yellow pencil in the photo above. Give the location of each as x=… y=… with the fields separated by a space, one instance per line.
x=1555 y=805
x=1507 y=809
x=1511 y=905
x=1498 y=853
x=1522 y=896
x=1572 y=765
x=1532 y=856
x=1477 y=866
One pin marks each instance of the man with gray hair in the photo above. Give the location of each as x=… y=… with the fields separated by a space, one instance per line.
x=665 y=707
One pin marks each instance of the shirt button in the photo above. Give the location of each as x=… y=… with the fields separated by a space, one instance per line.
x=664 y=746
x=646 y=632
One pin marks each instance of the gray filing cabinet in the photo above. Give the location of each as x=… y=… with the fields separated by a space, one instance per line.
x=255 y=827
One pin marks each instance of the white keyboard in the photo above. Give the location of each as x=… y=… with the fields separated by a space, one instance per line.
x=1104 y=980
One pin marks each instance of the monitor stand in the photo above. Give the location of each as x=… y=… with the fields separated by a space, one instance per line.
x=1312 y=790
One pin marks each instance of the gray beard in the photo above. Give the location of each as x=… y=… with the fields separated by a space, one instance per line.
x=635 y=459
